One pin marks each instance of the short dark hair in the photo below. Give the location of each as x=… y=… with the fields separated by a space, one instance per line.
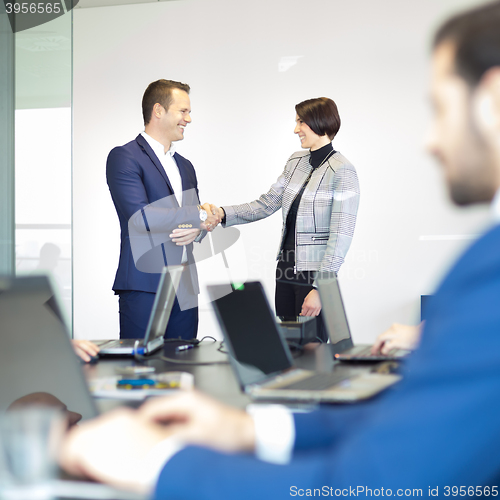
x=476 y=36
x=160 y=92
x=321 y=114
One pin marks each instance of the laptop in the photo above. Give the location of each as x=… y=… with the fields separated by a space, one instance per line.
x=36 y=357
x=157 y=324
x=38 y=366
x=337 y=327
x=263 y=363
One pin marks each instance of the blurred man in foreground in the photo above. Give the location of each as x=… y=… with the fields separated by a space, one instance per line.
x=438 y=429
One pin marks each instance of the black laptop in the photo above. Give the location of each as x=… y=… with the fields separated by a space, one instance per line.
x=262 y=360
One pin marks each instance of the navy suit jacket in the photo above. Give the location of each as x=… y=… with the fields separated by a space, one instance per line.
x=137 y=179
x=439 y=427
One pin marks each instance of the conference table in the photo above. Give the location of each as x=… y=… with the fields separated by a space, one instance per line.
x=216 y=380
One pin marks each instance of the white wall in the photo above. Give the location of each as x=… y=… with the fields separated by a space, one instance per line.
x=370 y=57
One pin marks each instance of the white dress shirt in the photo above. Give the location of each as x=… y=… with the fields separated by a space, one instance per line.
x=274 y=432
x=495 y=207
x=170 y=167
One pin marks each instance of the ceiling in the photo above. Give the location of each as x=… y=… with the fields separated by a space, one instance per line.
x=86 y=4
x=44 y=59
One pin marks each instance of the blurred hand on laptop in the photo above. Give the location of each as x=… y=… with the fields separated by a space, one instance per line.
x=85 y=349
x=197 y=419
x=113 y=449
x=397 y=337
x=128 y=448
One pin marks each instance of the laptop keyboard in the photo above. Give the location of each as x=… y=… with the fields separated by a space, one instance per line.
x=367 y=353
x=318 y=382
x=113 y=344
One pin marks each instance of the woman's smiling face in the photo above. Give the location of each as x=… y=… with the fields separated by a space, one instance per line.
x=308 y=138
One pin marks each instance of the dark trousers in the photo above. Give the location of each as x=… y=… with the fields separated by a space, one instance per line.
x=135 y=308
x=291 y=290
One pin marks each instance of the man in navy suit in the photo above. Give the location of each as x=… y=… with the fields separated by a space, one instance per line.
x=155 y=193
x=437 y=433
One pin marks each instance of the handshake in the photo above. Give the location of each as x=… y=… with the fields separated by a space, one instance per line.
x=215 y=215
x=186 y=236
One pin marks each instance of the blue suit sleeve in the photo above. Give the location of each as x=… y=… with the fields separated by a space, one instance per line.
x=413 y=441
x=322 y=428
x=197 y=473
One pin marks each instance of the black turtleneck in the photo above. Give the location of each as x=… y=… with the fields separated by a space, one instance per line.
x=319 y=156
x=316 y=159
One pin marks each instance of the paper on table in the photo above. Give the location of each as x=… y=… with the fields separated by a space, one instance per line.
x=166 y=383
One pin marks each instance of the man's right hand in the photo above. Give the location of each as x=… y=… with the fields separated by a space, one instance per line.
x=397 y=337
x=196 y=419
x=112 y=449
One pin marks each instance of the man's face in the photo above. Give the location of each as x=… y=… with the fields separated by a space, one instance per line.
x=456 y=137
x=176 y=117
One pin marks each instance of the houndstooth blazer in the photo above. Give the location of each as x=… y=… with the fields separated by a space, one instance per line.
x=326 y=215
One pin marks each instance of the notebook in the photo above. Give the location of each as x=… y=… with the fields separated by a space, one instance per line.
x=158 y=320
x=262 y=361
x=337 y=327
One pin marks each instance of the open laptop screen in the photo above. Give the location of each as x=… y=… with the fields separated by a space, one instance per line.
x=250 y=330
x=334 y=312
x=37 y=362
x=163 y=303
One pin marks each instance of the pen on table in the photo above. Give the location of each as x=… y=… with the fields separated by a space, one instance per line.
x=184 y=347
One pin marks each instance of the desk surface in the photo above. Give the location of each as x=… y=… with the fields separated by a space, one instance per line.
x=217 y=380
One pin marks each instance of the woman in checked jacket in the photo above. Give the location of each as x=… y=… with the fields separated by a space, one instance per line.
x=318 y=193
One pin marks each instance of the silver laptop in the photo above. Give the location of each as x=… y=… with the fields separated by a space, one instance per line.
x=39 y=367
x=157 y=324
x=337 y=327
x=263 y=363
x=36 y=358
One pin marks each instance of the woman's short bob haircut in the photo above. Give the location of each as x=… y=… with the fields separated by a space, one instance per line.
x=321 y=114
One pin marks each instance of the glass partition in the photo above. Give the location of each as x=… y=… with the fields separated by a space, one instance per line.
x=7 y=93
x=43 y=145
